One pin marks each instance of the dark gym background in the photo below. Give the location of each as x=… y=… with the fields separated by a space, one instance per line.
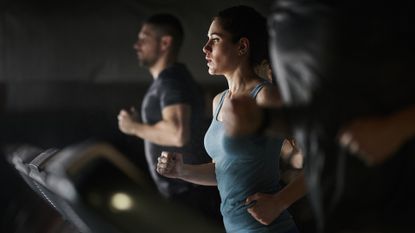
x=67 y=68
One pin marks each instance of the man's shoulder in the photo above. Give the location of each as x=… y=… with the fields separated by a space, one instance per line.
x=177 y=75
x=175 y=70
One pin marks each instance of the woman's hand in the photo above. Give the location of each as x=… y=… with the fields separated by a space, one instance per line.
x=373 y=139
x=267 y=207
x=170 y=164
x=241 y=116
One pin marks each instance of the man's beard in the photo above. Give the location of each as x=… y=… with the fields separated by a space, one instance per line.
x=146 y=62
x=149 y=61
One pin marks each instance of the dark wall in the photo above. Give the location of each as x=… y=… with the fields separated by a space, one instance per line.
x=72 y=62
x=91 y=41
x=68 y=67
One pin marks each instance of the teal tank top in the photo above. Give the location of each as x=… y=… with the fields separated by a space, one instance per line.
x=244 y=166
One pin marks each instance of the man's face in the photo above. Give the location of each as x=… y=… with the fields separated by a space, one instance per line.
x=147 y=46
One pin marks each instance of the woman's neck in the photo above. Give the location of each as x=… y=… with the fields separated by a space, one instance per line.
x=242 y=81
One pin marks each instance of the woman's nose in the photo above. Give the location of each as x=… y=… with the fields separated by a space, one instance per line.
x=206 y=48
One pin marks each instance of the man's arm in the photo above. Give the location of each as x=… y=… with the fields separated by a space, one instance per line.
x=172 y=130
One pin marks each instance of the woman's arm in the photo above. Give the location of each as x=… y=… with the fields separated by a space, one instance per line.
x=171 y=165
x=375 y=139
x=244 y=115
x=267 y=207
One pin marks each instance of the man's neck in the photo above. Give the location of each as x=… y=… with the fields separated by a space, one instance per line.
x=160 y=65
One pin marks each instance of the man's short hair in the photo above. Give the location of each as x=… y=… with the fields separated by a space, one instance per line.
x=167 y=24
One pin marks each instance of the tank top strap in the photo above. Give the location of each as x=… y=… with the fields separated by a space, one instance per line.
x=253 y=94
x=219 y=106
x=258 y=88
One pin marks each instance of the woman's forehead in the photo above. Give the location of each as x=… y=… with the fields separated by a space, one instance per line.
x=217 y=29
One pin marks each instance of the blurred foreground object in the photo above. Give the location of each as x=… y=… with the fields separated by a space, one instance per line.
x=97 y=189
x=335 y=62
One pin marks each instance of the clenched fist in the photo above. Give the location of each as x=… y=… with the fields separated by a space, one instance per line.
x=170 y=164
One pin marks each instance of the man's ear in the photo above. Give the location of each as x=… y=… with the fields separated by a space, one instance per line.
x=243 y=46
x=166 y=42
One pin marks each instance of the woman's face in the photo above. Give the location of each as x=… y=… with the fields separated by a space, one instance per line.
x=221 y=53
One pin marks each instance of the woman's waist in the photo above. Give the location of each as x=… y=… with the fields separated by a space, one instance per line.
x=234 y=187
x=235 y=200
x=241 y=220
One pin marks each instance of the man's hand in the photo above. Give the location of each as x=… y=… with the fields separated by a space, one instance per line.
x=126 y=122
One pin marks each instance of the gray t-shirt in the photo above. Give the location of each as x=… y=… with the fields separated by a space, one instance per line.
x=175 y=85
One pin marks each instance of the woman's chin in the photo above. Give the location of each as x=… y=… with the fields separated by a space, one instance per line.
x=211 y=72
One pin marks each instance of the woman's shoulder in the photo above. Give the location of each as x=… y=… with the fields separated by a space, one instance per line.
x=269 y=96
x=217 y=98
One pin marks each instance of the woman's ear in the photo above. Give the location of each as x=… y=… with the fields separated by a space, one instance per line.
x=243 y=46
